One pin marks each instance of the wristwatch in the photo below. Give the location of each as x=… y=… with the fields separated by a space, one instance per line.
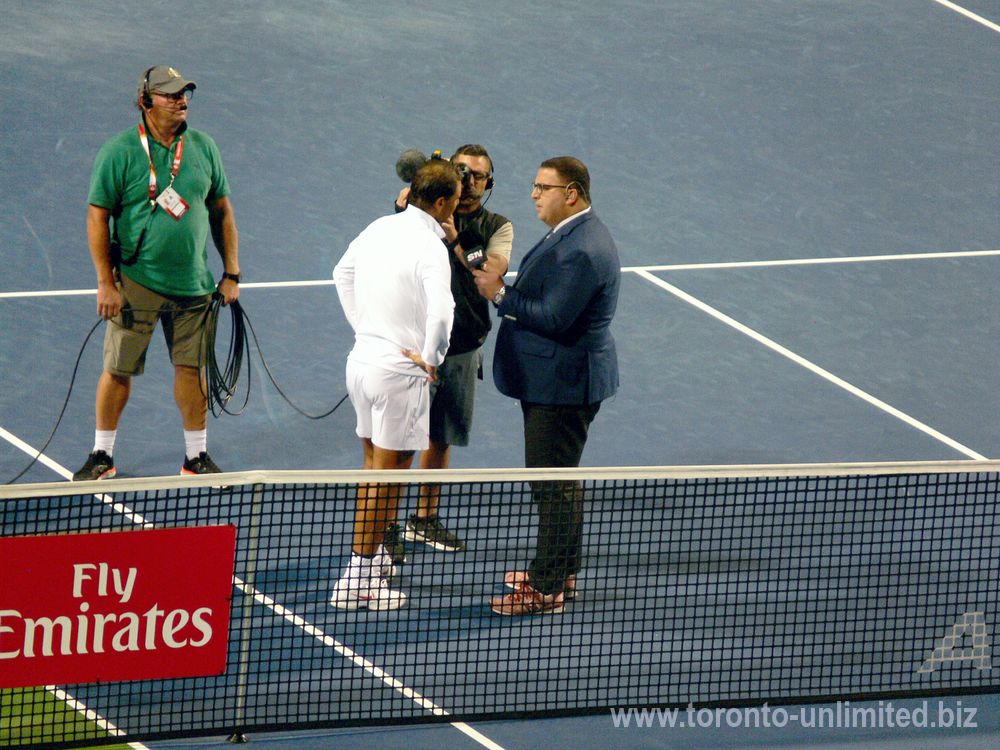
x=498 y=297
x=231 y=276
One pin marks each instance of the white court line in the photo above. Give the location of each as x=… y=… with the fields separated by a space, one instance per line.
x=359 y=661
x=812 y=261
x=264 y=600
x=816 y=369
x=86 y=292
x=42 y=459
x=630 y=269
x=50 y=293
x=91 y=716
x=969 y=14
x=67 y=474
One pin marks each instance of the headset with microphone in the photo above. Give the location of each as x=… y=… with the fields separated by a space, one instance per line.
x=490 y=182
x=147 y=100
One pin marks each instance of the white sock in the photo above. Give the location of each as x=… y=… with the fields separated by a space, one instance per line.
x=195 y=442
x=104 y=440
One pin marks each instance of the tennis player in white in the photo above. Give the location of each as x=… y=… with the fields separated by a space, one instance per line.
x=394 y=283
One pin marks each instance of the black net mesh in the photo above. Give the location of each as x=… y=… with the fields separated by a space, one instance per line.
x=706 y=590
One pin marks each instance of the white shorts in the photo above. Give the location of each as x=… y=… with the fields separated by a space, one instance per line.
x=393 y=410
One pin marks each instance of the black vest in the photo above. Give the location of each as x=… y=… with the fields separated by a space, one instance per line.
x=472 y=311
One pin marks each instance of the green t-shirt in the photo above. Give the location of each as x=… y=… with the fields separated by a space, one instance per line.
x=173 y=258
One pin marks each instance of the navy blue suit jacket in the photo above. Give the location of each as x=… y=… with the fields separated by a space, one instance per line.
x=554 y=345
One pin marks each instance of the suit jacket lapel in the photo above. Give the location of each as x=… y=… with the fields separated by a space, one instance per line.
x=531 y=257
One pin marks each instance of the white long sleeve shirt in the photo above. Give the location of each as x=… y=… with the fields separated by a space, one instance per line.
x=394 y=283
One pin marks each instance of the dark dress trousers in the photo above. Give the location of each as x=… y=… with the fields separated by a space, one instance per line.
x=555 y=354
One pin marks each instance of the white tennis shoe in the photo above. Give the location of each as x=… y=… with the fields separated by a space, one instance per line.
x=364 y=586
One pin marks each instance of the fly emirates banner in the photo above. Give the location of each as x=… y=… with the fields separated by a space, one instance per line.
x=124 y=605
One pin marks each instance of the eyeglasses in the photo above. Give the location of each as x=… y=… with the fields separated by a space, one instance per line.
x=541 y=187
x=185 y=94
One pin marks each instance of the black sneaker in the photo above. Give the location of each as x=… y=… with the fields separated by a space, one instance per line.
x=99 y=466
x=432 y=533
x=202 y=464
x=394 y=546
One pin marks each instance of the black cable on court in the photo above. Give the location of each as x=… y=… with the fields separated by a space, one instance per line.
x=221 y=383
x=62 y=411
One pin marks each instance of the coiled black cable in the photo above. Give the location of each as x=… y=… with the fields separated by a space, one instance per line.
x=221 y=383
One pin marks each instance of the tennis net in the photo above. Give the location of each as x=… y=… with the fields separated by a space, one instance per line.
x=714 y=586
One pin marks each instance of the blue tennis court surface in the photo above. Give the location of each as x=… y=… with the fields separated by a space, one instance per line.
x=804 y=195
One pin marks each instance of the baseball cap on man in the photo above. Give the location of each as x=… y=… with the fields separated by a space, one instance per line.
x=164 y=80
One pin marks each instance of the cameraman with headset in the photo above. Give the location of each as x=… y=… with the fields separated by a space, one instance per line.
x=155 y=192
x=477 y=238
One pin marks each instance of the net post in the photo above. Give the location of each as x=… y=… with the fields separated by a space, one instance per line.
x=253 y=532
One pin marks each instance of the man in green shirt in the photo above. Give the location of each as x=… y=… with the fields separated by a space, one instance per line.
x=156 y=190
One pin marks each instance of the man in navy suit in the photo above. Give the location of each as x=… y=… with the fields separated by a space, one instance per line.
x=555 y=354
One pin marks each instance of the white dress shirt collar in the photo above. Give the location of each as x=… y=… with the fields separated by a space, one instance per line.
x=431 y=222
x=567 y=220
